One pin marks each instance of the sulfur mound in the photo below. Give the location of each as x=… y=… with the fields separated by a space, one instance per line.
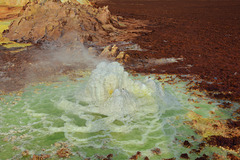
x=54 y=20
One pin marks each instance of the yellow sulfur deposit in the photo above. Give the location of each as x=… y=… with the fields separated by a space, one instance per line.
x=5 y=42
x=209 y=126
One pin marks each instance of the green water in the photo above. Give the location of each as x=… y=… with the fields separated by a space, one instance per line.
x=48 y=114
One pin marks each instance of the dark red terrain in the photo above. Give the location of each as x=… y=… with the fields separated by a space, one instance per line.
x=205 y=33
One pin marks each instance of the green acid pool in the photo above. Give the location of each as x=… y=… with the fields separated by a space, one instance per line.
x=107 y=112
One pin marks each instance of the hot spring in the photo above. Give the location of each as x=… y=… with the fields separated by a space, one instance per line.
x=106 y=112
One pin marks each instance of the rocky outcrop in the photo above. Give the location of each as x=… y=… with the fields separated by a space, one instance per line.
x=114 y=53
x=54 y=20
x=24 y=2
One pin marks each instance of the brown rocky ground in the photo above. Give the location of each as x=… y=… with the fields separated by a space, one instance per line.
x=67 y=22
x=57 y=31
x=205 y=33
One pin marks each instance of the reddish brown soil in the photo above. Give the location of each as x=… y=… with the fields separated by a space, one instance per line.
x=229 y=143
x=205 y=33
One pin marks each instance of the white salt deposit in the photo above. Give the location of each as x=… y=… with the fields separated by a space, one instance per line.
x=113 y=93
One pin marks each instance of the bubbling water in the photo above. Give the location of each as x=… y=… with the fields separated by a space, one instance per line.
x=116 y=95
x=106 y=112
x=127 y=111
